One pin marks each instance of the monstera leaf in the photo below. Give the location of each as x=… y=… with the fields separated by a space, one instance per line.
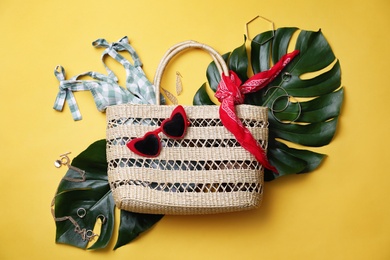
x=304 y=101
x=83 y=199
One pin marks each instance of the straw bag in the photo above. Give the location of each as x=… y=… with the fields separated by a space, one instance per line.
x=204 y=171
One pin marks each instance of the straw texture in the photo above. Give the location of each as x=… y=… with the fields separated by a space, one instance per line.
x=206 y=172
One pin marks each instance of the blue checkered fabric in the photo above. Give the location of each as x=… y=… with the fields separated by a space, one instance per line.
x=105 y=88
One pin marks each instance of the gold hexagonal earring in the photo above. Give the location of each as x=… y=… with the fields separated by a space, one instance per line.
x=251 y=21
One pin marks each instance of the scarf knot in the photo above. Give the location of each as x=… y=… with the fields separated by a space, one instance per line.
x=231 y=92
x=230 y=89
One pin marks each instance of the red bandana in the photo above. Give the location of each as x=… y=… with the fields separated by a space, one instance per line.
x=230 y=92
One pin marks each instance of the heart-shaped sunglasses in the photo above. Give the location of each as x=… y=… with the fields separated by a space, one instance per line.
x=174 y=127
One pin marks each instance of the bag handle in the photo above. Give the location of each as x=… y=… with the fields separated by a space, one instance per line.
x=219 y=61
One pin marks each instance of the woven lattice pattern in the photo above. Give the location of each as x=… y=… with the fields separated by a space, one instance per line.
x=184 y=165
x=186 y=142
x=206 y=172
x=192 y=187
x=197 y=122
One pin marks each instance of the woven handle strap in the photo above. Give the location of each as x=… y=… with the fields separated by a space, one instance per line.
x=219 y=61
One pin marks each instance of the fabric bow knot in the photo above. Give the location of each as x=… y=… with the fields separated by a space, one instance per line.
x=118 y=46
x=65 y=93
x=112 y=49
x=231 y=92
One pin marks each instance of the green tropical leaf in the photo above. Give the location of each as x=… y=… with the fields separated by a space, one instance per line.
x=315 y=134
x=238 y=61
x=291 y=160
x=312 y=159
x=317 y=118
x=94 y=196
x=261 y=51
x=286 y=162
x=213 y=75
x=132 y=224
x=319 y=109
x=202 y=97
x=320 y=85
x=315 y=75
x=315 y=55
x=281 y=42
x=97 y=202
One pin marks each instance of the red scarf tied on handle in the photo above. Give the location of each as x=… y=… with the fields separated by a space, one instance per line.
x=231 y=92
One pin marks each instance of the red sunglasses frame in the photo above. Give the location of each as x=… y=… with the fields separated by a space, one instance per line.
x=179 y=110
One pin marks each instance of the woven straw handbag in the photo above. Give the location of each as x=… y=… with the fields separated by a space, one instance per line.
x=205 y=171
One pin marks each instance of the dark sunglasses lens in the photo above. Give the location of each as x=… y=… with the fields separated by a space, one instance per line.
x=149 y=145
x=175 y=127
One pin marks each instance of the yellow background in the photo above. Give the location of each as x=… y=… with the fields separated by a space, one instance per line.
x=340 y=211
